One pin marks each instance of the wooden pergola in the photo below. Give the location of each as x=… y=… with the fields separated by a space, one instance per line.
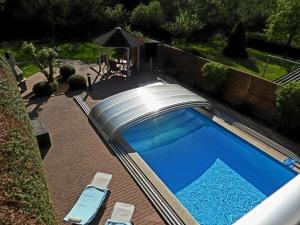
x=119 y=38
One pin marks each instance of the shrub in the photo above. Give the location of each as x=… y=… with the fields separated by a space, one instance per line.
x=213 y=78
x=77 y=82
x=236 y=44
x=288 y=105
x=148 y=16
x=44 y=88
x=66 y=71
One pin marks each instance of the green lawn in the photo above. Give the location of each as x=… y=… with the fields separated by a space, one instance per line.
x=254 y=65
x=29 y=69
x=88 y=51
x=85 y=51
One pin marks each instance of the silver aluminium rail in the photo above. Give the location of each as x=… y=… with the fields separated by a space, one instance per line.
x=153 y=195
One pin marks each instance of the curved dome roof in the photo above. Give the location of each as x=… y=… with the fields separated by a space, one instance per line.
x=122 y=110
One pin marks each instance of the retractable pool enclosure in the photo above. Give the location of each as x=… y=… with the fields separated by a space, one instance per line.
x=130 y=107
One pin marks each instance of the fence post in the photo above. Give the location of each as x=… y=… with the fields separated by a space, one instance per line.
x=89 y=82
x=265 y=69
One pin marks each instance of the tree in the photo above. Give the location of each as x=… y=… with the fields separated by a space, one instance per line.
x=185 y=24
x=2 y=4
x=116 y=15
x=283 y=24
x=148 y=16
x=236 y=44
x=44 y=58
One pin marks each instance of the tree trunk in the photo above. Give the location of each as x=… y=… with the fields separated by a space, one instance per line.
x=37 y=62
x=287 y=46
x=51 y=70
x=289 y=42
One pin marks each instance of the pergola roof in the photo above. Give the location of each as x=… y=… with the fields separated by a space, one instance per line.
x=118 y=38
x=119 y=111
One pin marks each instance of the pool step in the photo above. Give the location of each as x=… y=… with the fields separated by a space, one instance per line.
x=161 y=137
x=151 y=126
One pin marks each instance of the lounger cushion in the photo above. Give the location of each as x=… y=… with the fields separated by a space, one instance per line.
x=74 y=219
x=87 y=205
x=111 y=222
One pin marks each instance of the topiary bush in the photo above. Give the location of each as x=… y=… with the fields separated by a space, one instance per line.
x=66 y=71
x=77 y=82
x=236 y=44
x=213 y=77
x=287 y=105
x=45 y=88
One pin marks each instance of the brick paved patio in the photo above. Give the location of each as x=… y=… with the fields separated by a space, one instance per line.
x=76 y=154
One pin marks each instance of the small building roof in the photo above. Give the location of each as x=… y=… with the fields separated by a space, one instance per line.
x=118 y=38
x=119 y=111
x=147 y=40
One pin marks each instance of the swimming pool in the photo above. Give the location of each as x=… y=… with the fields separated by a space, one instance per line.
x=216 y=175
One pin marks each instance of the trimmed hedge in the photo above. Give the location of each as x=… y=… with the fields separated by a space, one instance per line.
x=45 y=88
x=24 y=193
x=77 y=82
x=66 y=71
x=214 y=76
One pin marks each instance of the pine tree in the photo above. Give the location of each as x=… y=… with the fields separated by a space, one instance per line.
x=236 y=44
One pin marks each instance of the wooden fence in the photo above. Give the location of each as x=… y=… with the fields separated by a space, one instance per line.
x=240 y=87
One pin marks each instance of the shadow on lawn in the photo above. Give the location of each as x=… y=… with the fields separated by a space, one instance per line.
x=247 y=63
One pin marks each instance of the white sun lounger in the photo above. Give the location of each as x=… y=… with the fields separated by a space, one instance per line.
x=90 y=200
x=121 y=215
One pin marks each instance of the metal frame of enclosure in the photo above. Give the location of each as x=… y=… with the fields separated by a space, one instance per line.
x=125 y=109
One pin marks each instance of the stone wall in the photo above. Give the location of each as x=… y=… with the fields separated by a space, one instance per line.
x=240 y=87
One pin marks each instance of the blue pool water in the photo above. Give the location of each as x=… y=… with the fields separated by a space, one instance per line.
x=215 y=174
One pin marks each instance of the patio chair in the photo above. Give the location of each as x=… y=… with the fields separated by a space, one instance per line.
x=121 y=215
x=113 y=66
x=90 y=201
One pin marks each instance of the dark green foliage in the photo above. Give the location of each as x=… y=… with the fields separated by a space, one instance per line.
x=194 y=51
x=288 y=105
x=213 y=78
x=44 y=88
x=283 y=23
x=21 y=164
x=77 y=82
x=261 y=42
x=66 y=71
x=236 y=44
x=147 y=16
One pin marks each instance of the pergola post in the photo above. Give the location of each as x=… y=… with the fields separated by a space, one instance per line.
x=138 y=59
x=107 y=62
x=128 y=62
x=99 y=58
